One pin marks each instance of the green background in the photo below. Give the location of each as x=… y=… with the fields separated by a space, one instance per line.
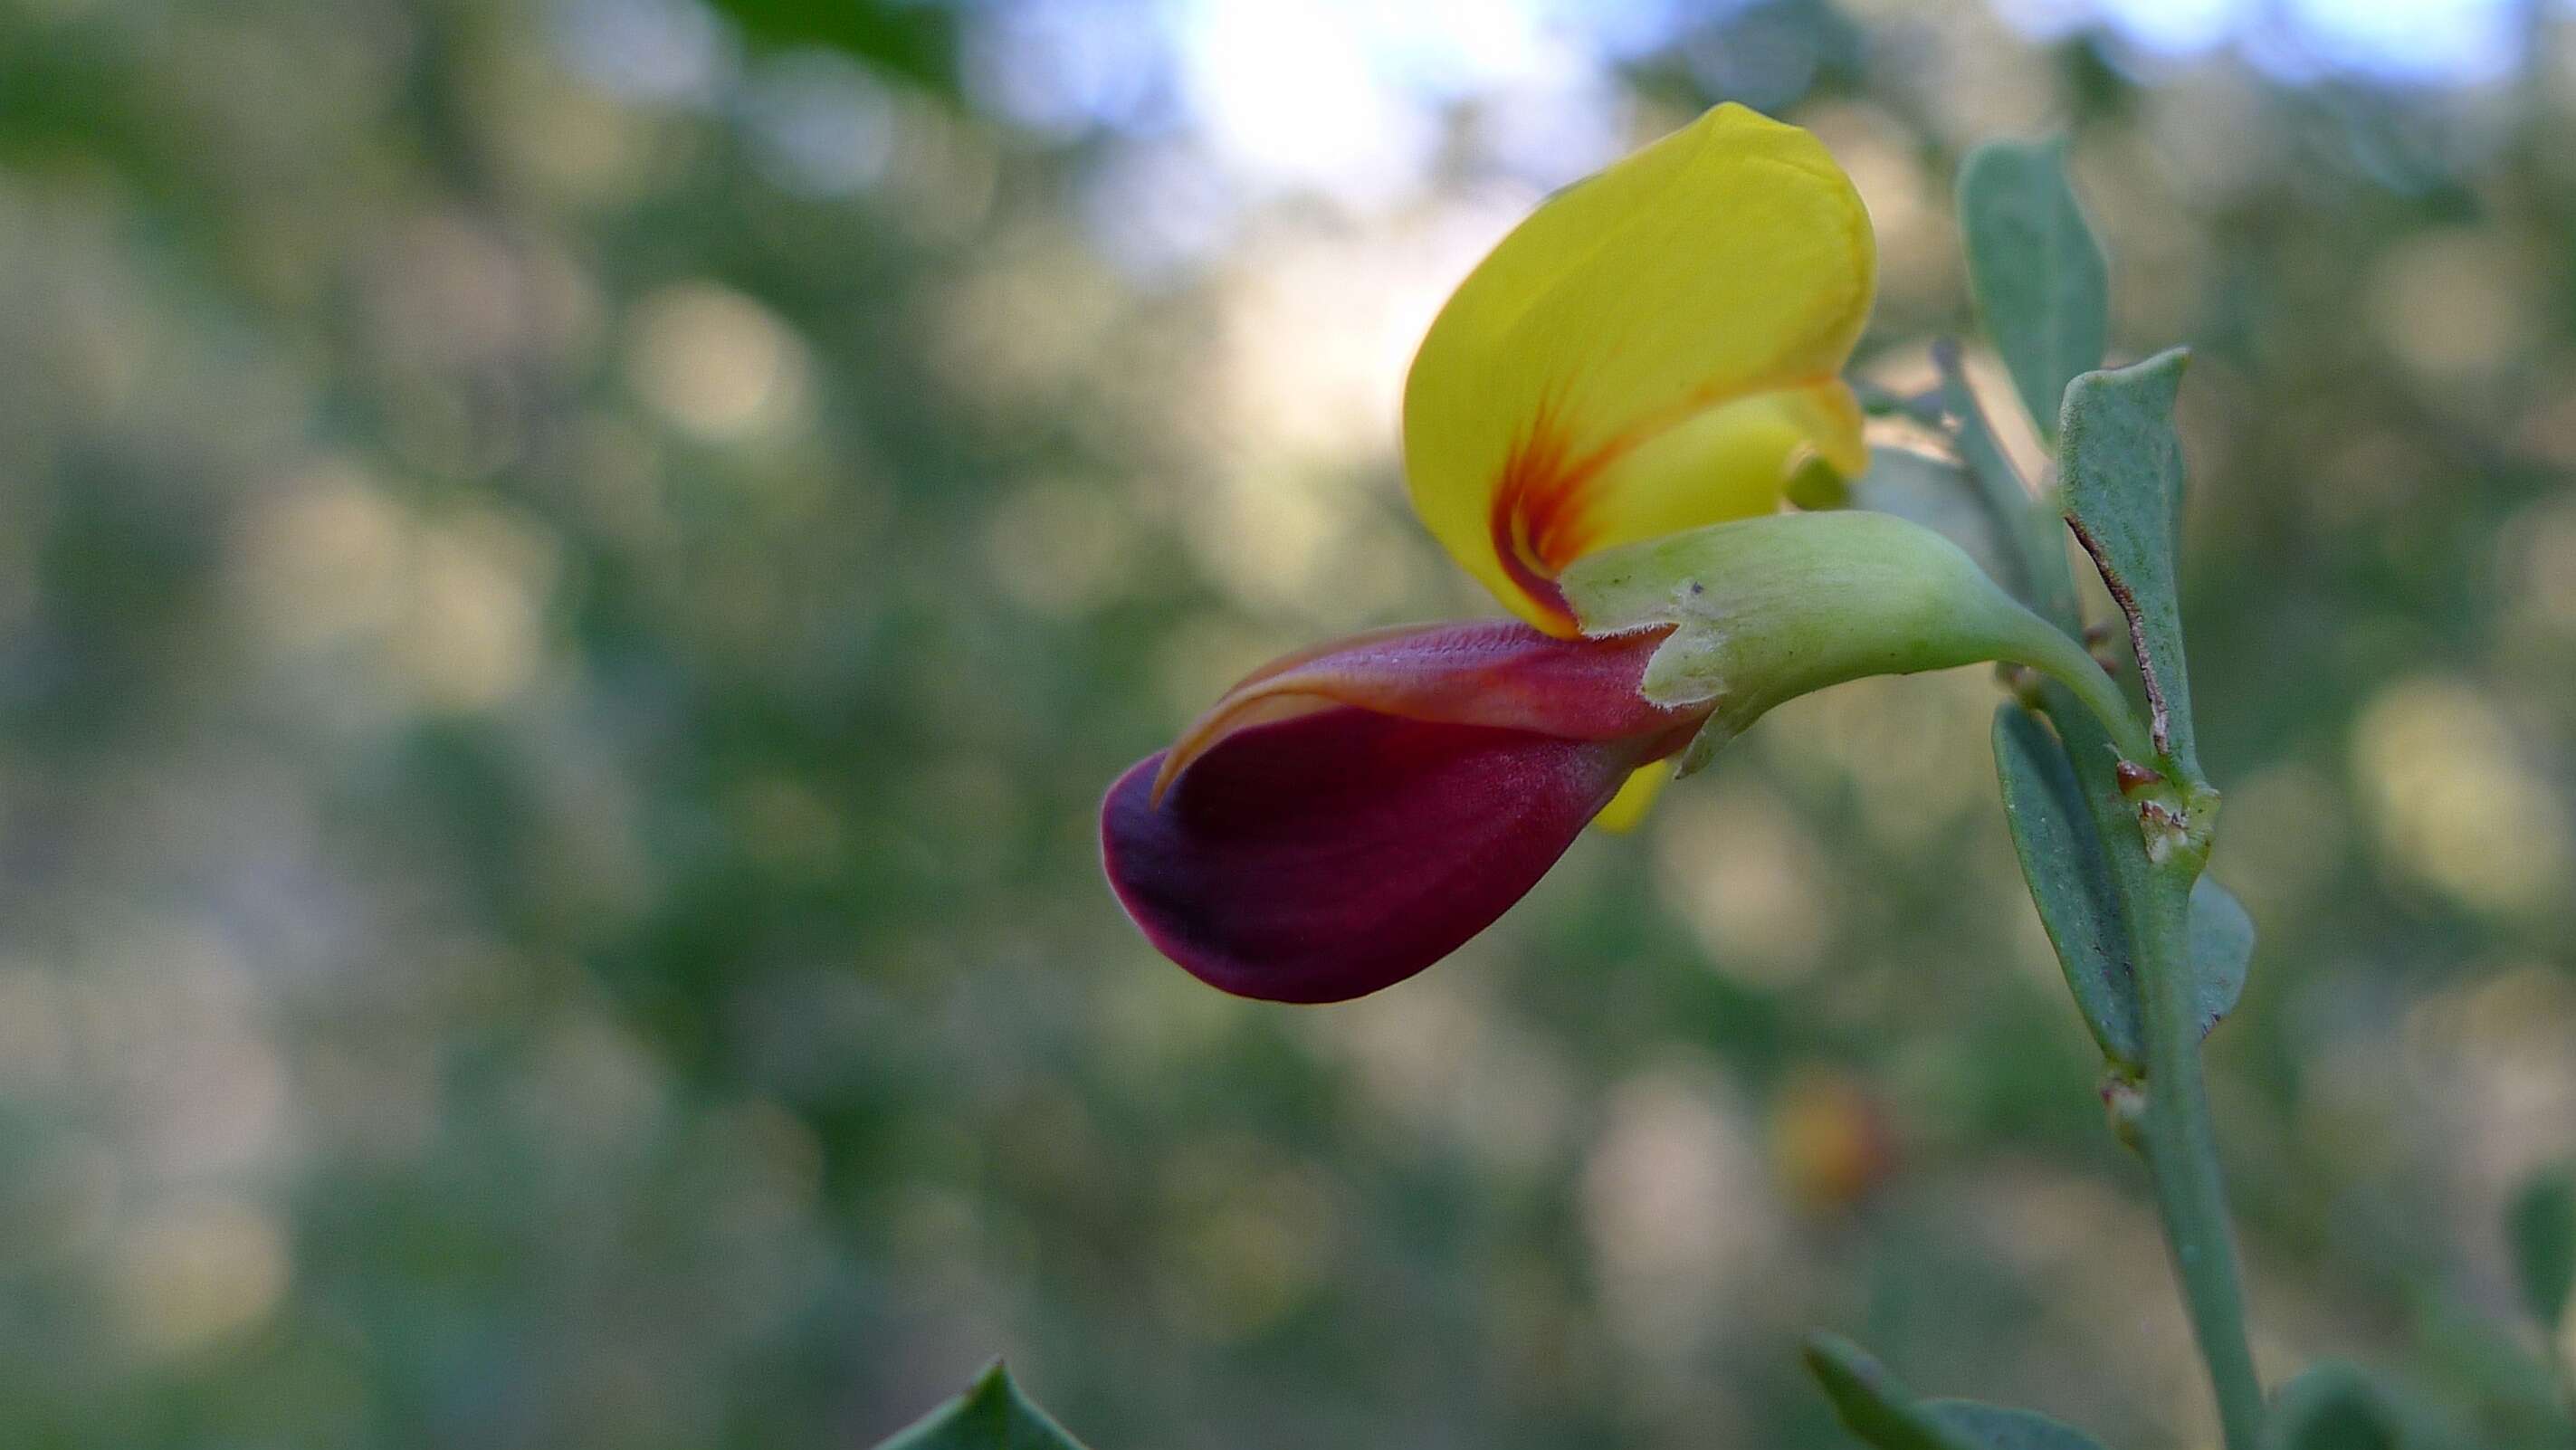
x=571 y=575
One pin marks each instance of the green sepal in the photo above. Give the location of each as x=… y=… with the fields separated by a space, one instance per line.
x=991 y=1414
x=2042 y=286
x=1877 y=1407
x=2330 y=1407
x=2540 y=1224
x=1764 y=610
x=2071 y=884
x=2120 y=465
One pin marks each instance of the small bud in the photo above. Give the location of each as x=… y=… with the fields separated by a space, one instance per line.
x=2124 y=1103
x=1816 y=484
x=2164 y=815
x=2023 y=683
x=2099 y=641
x=2176 y=822
x=2164 y=829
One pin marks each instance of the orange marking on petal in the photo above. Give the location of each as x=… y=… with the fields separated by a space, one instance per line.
x=1542 y=518
x=1531 y=497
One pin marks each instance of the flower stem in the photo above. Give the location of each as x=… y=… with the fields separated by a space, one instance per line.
x=2051 y=653
x=2182 y=1152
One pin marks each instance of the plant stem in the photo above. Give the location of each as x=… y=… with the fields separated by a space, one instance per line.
x=2096 y=726
x=2173 y=1130
x=2182 y=1152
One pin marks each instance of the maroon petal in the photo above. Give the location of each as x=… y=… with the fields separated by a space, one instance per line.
x=1324 y=856
x=1489 y=672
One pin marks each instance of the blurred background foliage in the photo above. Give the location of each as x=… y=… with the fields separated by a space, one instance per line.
x=571 y=574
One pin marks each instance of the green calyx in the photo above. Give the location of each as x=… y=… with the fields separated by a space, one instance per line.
x=1764 y=610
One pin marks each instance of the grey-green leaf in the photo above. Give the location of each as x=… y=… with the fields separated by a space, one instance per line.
x=2330 y=1407
x=2222 y=948
x=2120 y=464
x=1876 y=1406
x=2540 y=1224
x=1873 y=1404
x=992 y=1414
x=1939 y=495
x=2039 y=277
x=2070 y=882
x=1996 y=1427
x=1879 y=402
x=2038 y=576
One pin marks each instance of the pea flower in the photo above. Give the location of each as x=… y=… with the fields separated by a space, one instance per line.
x=1600 y=426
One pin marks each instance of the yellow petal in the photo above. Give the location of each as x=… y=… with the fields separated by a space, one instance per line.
x=1635 y=798
x=1655 y=348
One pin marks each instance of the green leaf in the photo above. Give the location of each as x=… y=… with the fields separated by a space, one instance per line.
x=1996 y=1427
x=1872 y=1403
x=2222 y=948
x=2471 y=1357
x=991 y=1415
x=2330 y=1407
x=2039 y=577
x=2120 y=465
x=2070 y=882
x=1764 y=610
x=2040 y=281
x=2541 y=1226
x=1941 y=497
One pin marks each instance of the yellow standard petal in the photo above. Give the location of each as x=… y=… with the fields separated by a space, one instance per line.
x=1655 y=348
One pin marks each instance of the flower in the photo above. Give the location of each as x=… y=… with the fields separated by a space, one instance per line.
x=1657 y=347
x=1600 y=426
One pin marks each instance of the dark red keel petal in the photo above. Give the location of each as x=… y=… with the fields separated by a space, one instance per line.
x=1493 y=672
x=1326 y=856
